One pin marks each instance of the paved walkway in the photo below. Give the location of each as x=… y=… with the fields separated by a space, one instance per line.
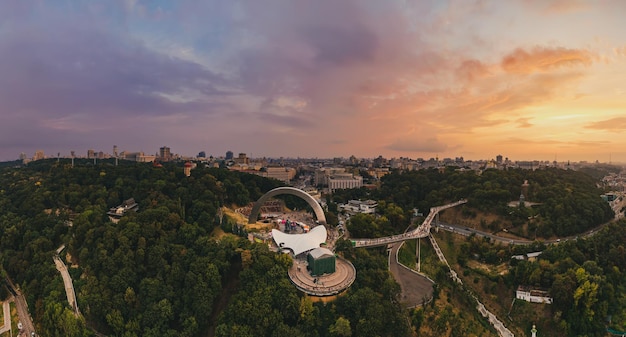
x=325 y=285
x=416 y=289
x=67 y=281
x=421 y=231
x=493 y=319
x=6 y=309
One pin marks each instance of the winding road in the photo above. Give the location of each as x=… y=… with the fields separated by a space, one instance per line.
x=421 y=231
x=416 y=289
x=67 y=281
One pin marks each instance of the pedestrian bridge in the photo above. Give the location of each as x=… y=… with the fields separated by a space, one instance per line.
x=422 y=231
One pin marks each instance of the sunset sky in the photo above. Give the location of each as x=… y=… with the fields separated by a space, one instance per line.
x=527 y=79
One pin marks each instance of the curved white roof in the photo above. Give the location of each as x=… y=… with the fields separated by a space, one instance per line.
x=300 y=243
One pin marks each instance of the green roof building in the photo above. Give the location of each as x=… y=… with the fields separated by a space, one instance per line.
x=321 y=261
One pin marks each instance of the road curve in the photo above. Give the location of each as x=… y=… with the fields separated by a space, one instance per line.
x=67 y=281
x=421 y=231
x=416 y=289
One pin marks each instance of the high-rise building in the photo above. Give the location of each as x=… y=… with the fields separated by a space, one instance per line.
x=91 y=153
x=201 y=154
x=114 y=150
x=164 y=153
x=188 y=167
x=39 y=155
x=242 y=159
x=229 y=155
x=499 y=159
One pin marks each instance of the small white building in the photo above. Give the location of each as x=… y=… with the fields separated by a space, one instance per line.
x=532 y=295
x=530 y=256
x=116 y=213
x=358 y=206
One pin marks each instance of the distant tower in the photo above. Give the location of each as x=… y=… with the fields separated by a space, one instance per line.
x=115 y=153
x=188 y=167
x=91 y=153
x=164 y=153
x=524 y=194
x=533 y=331
x=229 y=155
x=201 y=154
x=242 y=159
x=72 y=153
x=499 y=159
x=525 y=188
x=39 y=155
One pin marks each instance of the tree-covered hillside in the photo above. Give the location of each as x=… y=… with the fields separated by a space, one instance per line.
x=161 y=271
x=155 y=271
x=567 y=202
x=586 y=278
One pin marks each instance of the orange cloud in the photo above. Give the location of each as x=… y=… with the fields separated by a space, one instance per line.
x=620 y=51
x=539 y=59
x=417 y=143
x=471 y=69
x=523 y=122
x=617 y=124
x=556 y=6
x=529 y=142
x=565 y=6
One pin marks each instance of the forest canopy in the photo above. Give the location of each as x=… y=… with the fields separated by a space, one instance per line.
x=160 y=271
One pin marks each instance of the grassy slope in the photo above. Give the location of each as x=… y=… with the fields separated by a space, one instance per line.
x=488 y=283
x=450 y=314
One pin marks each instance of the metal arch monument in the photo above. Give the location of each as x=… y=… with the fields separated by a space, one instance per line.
x=319 y=212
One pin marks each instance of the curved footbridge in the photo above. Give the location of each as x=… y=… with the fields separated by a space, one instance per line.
x=420 y=232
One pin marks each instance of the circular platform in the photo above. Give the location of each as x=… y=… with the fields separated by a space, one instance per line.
x=325 y=285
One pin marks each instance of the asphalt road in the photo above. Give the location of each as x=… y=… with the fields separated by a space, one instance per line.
x=67 y=281
x=466 y=231
x=22 y=310
x=415 y=288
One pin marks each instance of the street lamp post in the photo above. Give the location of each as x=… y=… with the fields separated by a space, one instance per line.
x=419 y=255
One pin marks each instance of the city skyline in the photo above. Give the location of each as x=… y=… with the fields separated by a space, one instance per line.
x=134 y=155
x=528 y=79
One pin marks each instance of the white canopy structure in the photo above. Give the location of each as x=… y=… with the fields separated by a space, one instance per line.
x=300 y=243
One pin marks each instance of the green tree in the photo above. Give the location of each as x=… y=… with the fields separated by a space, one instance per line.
x=341 y=328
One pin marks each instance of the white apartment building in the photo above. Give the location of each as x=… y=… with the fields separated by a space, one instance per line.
x=343 y=181
x=323 y=174
x=284 y=174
